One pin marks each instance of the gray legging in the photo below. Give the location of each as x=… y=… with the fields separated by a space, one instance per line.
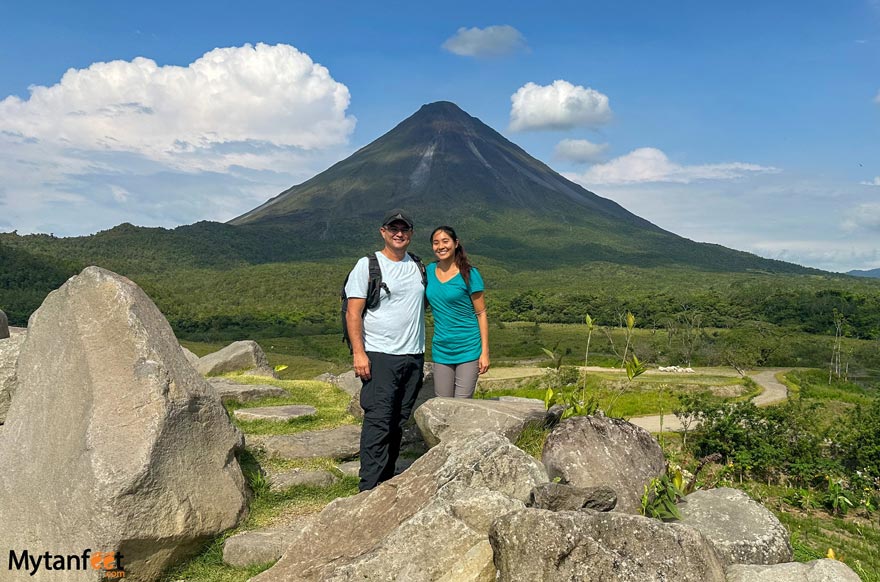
x=456 y=380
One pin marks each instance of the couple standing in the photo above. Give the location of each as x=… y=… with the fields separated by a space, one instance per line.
x=388 y=342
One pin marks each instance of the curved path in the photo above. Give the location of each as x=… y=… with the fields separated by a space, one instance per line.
x=773 y=392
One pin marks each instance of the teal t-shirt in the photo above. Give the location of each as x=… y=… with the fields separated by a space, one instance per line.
x=456 y=331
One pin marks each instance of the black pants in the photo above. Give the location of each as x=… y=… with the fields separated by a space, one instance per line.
x=387 y=399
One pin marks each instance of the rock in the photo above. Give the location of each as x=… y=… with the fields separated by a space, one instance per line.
x=742 y=530
x=4 y=325
x=535 y=544
x=261 y=546
x=429 y=523
x=814 y=571
x=444 y=418
x=190 y=357
x=347 y=382
x=589 y=451
x=276 y=413
x=9 y=350
x=232 y=391
x=284 y=480
x=562 y=497
x=119 y=444
x=237 y=356
x=343 y=442
x=353 y=468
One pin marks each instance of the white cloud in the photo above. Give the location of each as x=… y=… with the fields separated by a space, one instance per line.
x=652 y=165
x=168 y=145
x=863 y=217
x=579 y=150
x=271 y=94
x=492 y=41
x=874 y=182
x=557 y=106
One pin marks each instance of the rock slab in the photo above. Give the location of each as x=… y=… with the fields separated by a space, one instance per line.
x=741 y=530
x=284 y=480
x=231 y=391
x=118 y=444
x=814 y=571
x=276 y=413
x=535 y=544
x=9 y=350
x=343 y=442
x=446 y=418
x=591 y=451
x=245 y=355
x=257 y=547
x=429 y=523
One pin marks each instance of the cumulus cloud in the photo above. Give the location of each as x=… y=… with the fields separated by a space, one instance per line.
x=652 y=165
x=492 y=41
x=269 y=94
x=863 y=217
x=874 y=182
x=168 y=145
x=579 y=150
x=558 y=106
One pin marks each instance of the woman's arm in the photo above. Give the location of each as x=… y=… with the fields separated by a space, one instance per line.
x=483 y=321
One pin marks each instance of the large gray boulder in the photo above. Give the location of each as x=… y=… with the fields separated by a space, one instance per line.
x=113 y=441
x=444 y=418
x=589 y=451
x=9 y=350
x=562 y=497
x=814 y=571
x=4 y=325
x=429 y=523
x=535 y=544
x=246 y=355
x=742 y=531
x=190 y=357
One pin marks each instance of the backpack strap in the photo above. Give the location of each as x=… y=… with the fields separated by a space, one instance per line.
x=421 y=266
x=375 y=284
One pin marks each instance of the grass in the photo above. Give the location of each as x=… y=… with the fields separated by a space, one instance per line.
x=855 y=541
x=330 y=401
x=647 y=394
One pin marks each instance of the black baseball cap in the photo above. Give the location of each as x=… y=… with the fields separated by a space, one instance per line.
x=395 y=215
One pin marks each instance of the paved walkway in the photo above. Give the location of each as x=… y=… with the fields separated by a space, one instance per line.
x=773 y=392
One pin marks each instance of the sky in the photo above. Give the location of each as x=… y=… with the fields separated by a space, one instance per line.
x=749 y=124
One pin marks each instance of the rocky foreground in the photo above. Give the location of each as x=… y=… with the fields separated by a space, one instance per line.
x=113 y=440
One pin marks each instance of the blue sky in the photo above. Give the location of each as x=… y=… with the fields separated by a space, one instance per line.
x=750 y=124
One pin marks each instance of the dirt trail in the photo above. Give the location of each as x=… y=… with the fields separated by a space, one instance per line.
x=773 y=391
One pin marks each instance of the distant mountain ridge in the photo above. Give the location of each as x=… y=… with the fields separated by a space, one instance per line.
x=871 y=273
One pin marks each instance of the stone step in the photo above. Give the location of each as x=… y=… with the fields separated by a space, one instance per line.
x=231 y=391
x=284 y=480
x=276 y=413
x=337 y=443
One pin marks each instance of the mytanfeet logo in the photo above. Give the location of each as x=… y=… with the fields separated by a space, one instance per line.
x=108 y=562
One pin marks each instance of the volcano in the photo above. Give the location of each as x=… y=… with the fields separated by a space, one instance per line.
x=447 y=167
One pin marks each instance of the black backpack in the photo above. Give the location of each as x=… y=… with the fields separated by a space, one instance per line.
x=375 y=285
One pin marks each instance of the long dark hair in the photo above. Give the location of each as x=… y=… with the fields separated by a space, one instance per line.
x=460 y=257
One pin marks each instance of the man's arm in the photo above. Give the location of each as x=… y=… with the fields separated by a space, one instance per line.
x=355 y=322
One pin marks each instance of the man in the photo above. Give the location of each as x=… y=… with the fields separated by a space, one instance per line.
x=388 y=347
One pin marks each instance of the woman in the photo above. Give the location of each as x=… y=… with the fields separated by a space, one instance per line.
x=461 y=327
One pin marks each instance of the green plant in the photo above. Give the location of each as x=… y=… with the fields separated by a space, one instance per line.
x=837 y=498
x=661 y=495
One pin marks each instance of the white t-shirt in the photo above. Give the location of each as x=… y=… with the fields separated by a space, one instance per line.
x=397 y=325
